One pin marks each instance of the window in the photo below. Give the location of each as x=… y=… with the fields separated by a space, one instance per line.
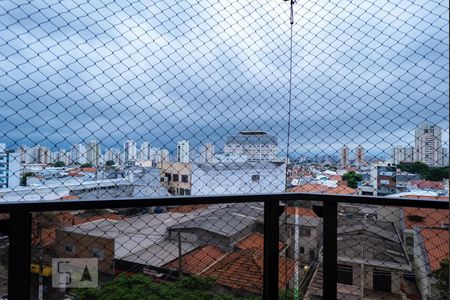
x=187 y=191
x=176 y=178
x=345 y=274
x=69 y=248
x=305 y=232
x=162 y=179
x=98 y=253
x=168 y=176
x=184 y=178
x=255 y=178
x=302 y=250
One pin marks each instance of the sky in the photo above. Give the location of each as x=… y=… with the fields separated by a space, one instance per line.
x=364 y=72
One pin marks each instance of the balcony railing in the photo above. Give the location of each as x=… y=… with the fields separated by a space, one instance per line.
x=19 y=229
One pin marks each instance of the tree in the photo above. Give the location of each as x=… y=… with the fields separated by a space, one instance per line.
x=109 y=163
x=24 y=178
x=426 y=172
x=59 y=164
x=440 y=288
x=142 y=287
x=352 y=179
x=87 y=165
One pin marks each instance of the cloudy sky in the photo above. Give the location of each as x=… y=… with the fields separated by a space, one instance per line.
x=365 y=71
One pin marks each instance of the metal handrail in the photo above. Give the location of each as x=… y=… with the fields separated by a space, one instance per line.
x=20 y=229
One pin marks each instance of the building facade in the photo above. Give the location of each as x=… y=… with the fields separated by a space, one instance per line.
x=183 y=151
x=360 y=155
x=130 y=151
x=238 y=178
x=344 y=156
x=428 y=148
x=257 y=146
x=93 y=153
x=9 y=168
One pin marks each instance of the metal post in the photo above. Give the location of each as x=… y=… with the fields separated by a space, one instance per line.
x=19 y=255
x=271 y=252
x=330 y=249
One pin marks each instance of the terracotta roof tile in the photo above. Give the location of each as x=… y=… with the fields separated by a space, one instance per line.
x=196 y=261
x=436 y=244
x=412 y=196
x=300 y=211
x=310 y=188
x=427 y=184
x=243 y=270
x=320 y=188
x=255 y=241
x=424 y=216
x=186 y=208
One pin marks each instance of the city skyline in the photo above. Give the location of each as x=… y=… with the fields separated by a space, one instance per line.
x=122 y=87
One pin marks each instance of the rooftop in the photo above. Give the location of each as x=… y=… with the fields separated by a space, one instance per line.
x=436 y=245
x=415 y=216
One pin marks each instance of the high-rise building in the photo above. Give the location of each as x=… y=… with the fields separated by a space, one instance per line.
x=344 y=156
x=256 y=146
x=164 y=155
x=144 y=152
x=428 y=148
x=93 y=153
x=25 y=155
x=42 y=155
x=444 y=161
x=402 y=155
x=63 y=156
x=183 y=151
x=9 y=168
x=78 y=154
x=130 y=151
x=359 y=155
x=112 y=154
x=207 y=153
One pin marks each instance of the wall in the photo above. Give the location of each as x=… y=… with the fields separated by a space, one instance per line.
x=83 y=247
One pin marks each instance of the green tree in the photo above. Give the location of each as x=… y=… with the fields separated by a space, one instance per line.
x=109 y=163
x=24 y=178
x=59 y=164
x=142 y=287
x=87 y=165
x=426 y=172
x=352 y=179
x=440 y=288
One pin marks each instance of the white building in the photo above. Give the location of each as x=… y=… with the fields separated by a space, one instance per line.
x=183 y=151
x=402 y=155
x=78 y=154
x=428 y=148
x=444 y=161
x=93 y=153
x=238 y=178
x=144 y=152
x=257 y=146
x=9 y=168
x=130 y=151
x=63 y=156
x=207 y=153
x=163 y=155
